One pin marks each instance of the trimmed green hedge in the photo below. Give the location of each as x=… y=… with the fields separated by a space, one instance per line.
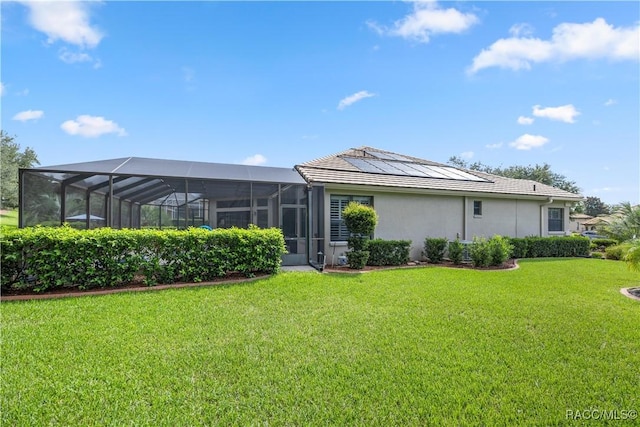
x=434 y=248
x=388 y=252
x=539 y=247
x=44 y=258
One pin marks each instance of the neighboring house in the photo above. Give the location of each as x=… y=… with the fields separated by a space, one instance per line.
x=577 y=222
x=597 y=222
x=417 y=198
x=414 y=199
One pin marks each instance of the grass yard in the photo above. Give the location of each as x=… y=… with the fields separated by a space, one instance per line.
x=9 y=218
x=428 y=346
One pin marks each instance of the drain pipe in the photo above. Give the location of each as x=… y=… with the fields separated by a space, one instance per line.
x=542 y=206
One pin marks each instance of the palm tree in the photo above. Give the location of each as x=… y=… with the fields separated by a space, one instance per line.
x=626 y=223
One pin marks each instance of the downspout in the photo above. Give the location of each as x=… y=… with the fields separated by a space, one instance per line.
x=465 y=214
x=542 y=206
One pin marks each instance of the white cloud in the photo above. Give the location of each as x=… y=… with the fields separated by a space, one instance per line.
x=522 y=29
x=494 y=146
x=527 y=142
x=591 y=40
x=426 y=20
x=73 y=57
x=467 y=155
x=25 y=116
x=564 y=113
x=68 y=21
x=2 y=89
x=525 y=120
x=610 y=102
x=91 y=127
x=352 y=99
x=255 y=160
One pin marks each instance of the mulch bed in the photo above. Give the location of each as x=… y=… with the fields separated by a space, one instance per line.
x=135 y=286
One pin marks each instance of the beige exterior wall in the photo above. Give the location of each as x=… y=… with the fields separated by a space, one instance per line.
x=415 y=217
x=507 y=217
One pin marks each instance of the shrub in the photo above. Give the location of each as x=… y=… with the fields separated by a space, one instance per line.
x=499 y=250
x=357 y=259
x=479 y=251
x=557 y=246
x=44 y=258
x=519 y=246
x=601 y=244
x=632 y=256
x=361 y=222
x=434 y=248
x=456 y=251
x=617 y=252
x=388 y=252
x=598 y=255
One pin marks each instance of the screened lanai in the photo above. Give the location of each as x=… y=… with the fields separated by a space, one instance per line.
x=153 y=193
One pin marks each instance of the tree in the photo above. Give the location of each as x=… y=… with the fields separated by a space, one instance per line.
x=539 y=173
x=12 y=159
x=594 y=206
x=626 y=223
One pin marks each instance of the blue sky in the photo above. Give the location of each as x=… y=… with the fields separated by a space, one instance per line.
x=281 y=83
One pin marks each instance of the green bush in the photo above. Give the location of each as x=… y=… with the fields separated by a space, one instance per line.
x=557 y=246
x=617 y=252
x=361 y=221
x=519 y=245
x=357 y=259
x=43 y=258
x=499 y=250
x=434 y=248
x=480 y=252
x=598 y=255
x=388 y=252
x=456 y=251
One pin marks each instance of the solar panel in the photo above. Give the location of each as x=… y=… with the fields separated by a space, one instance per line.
x=387 y=156
x=363 y=165
x=389 y=166
x=409 y=170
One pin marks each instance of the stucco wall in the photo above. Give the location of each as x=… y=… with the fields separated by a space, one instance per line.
x=417 y=216
x=507 y=217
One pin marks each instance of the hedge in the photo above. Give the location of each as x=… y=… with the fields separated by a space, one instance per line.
x=434 y=248
x=388 y=252
x=557 y=246
x=43 y=258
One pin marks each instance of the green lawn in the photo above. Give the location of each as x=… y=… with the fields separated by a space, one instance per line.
x=428 y=346
x=9 y=219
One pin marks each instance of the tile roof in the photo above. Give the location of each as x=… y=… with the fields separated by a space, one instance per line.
x=337 y=169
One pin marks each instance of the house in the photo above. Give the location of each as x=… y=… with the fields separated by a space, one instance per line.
x=417 y=198
x=578 y=222
x=598 y=222
x=414 y=199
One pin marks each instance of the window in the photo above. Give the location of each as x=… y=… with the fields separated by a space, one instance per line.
x=556 y=219
x=477 y=208
x=339 y=232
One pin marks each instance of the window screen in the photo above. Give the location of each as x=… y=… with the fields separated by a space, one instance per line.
x=556 y=219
